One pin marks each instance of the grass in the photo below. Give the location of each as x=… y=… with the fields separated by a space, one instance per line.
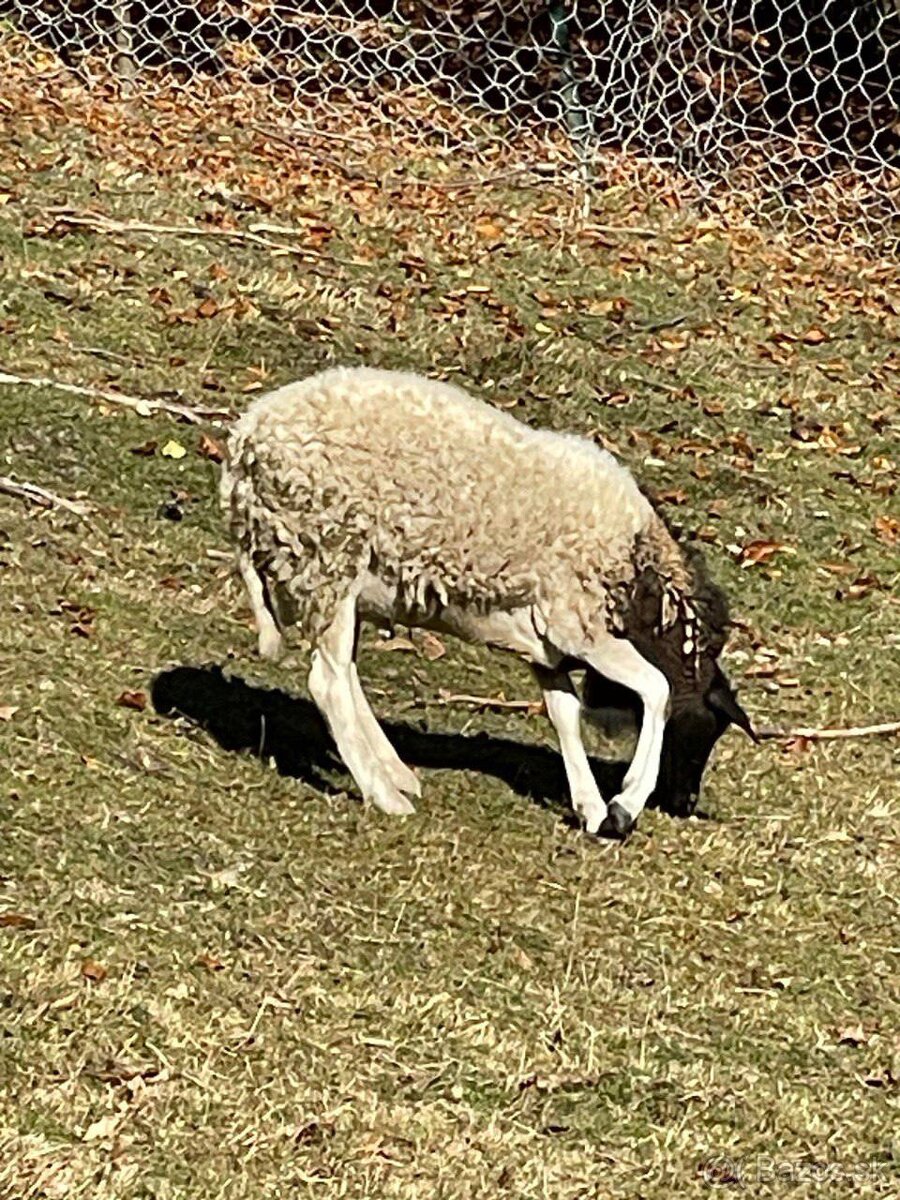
x=219 y=974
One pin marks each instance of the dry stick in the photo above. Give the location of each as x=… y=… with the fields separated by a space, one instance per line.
x=486 y=702
x=108 y=225
x=349 y=171
x=31 y=491
x=822 y=735
x=312 y=131
x=766 y=731
x=144 y=408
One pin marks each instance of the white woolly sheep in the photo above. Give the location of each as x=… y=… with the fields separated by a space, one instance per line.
x=379 y=495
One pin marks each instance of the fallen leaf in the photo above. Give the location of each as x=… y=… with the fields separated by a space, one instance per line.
x=760 y=670
x=887 y=1075
x=811 y=337
x=396 y=643
x=860 y=587
x=91 y=969
x=15 y=920
x=814 y=337
x=319 y=234
x=8 y=711
x=671 y=496
x=135 y=700
x=489 y=230
x=82 y=618
x=208 y=447
x=117 y=1072
x=797 y=745
x=173 y=449
x=103 y=1128
x=759 y=551
x=210 y=962
x=432 y=646
x=694 y=446
x=887 y=529
x=207 y=308
x=146 y=449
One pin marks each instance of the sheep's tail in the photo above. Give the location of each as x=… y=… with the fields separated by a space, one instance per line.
x=233 y=495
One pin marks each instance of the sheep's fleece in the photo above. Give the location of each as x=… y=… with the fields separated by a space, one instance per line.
x=450 y=499
x=385 y=495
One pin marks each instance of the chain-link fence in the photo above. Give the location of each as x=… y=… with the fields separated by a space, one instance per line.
x=794 y=102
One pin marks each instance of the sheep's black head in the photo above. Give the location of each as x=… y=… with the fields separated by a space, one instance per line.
x=695 y=724
x=697 y=720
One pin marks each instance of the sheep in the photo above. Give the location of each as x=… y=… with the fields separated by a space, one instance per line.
x=369 y=495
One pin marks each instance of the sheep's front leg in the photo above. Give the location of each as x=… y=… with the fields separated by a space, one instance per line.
x=564 y=710
x=619 y=661
x=331 y=684
x=269 y=634
x=397 y=771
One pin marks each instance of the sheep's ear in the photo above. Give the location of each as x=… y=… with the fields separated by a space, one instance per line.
x=722 y=698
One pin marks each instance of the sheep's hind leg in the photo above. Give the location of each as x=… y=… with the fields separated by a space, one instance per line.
x=564 y=710
x=618 y=660
x=331 y=684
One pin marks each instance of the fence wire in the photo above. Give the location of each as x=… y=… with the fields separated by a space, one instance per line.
x=793 y=103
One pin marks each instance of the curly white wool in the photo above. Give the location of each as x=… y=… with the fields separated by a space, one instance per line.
x=447 y=499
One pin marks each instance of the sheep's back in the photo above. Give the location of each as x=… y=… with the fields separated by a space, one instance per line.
x=447 y=497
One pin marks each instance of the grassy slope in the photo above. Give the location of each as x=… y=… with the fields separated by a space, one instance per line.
x=302 y=997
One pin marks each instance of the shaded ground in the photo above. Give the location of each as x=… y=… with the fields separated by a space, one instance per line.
x=219 y=975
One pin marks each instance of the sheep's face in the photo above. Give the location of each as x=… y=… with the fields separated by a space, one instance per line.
x=695 y=724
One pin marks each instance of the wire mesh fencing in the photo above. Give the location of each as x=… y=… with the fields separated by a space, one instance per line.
x=791 y=105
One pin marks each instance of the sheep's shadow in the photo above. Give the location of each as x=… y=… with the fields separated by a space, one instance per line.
x=289 y=730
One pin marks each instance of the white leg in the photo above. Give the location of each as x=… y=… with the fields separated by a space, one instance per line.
x=397 y=771
x=564 y=710
x=270 y=645
x=331 y=686
x=618 y=660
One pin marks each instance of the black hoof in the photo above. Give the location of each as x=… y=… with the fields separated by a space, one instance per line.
x=618 y=823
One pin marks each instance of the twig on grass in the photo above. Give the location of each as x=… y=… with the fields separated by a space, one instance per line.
x=313 y=131
x=823 y=735
x=39 y=495
x=661 y=323
x=772 y=732
x=101 y=224
x=448 y=699
x=144 y=408
x=348 y=170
